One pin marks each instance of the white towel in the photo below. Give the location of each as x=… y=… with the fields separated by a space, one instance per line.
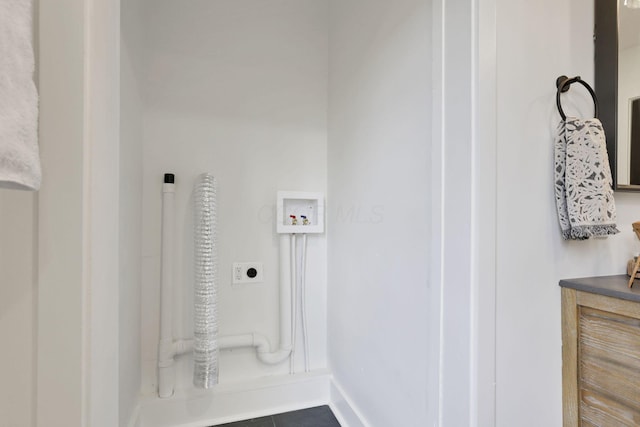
x=583 y=184
x=19 y=157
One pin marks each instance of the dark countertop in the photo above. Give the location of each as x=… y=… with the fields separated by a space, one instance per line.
x=611 y=286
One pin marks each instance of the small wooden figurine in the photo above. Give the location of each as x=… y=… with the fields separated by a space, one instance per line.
x=636 y=229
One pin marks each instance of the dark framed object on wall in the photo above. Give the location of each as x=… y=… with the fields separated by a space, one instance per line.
x=606 y=75
x=616 y=53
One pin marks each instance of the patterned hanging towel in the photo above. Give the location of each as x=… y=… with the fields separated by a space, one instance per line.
x=584 y=188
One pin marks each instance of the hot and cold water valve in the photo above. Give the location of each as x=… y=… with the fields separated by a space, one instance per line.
x=300 y=212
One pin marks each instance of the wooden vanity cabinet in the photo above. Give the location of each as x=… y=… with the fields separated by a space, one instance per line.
x=600 y=352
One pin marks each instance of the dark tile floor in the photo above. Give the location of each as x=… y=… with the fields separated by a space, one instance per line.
x=320 y=416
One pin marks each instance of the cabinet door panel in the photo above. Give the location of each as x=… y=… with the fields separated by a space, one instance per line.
x=601 y=410
x=610 y=378
x=610 y=336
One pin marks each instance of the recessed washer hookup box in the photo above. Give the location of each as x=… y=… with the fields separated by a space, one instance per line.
x=300 y=212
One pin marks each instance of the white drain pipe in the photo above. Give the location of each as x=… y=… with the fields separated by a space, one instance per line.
x=260 y=342
x=303 y=302
x=168 y=349
x=165 y=360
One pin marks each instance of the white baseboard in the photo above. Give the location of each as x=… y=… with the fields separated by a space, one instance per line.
x=235 y=402
x=343 y=408
x=251 y=399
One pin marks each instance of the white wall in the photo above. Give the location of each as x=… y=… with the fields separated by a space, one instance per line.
x=17 y=307
x=40 y=244
x=379 y=210
x=237 y=89
x=61 y=356
x=130 y=253
x=537 y=42
x=77 y=334
x=102 y=214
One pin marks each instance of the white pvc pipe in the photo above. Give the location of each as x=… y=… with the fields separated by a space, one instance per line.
x=166 y=375
x=181 y=347
x=286 y=281
x=168 y=349
x=294 y=303
x=260 y=342
x=303 y=302
x=263 y=351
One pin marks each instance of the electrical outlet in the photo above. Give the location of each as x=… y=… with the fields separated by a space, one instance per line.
x=247 y=272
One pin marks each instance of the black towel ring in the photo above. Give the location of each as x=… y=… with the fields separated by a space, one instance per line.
x=563 y=83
